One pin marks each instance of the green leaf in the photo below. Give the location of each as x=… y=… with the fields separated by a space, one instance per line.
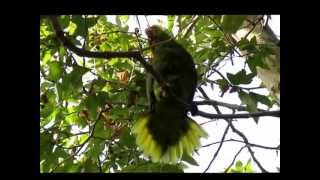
x=126 y=138
x=68 y=167
x=53 y=117
x=71 y=83
x=64 y=21
x=102 y=131
x=47 y=55
x=82 y=138
x=247 y=167
x=92 y=105
x=99 y=84
x=240 y=77
x=95 y=148
x=255 y=61
x=153 y=167
x=250 y=102
x=76 y=76
x=118 y=113
x=245 y=45
x=102 y=98
x=91 y=21
x=72 y=119
x=90 y=166
x=46 y=145
x=189 y=159
x=239 y=165
x=54 y=71
x=124 y=19
x=262 y=99
x=231 y=23
x=224 y=85
x=70 y=142
x=80 y=25
x=170 y=22
x=202 y=55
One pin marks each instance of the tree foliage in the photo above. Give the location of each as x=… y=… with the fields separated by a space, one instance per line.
x=88 y=104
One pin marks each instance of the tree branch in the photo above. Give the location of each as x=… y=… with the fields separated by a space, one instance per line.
x=249 y=148
x=204 y=94
x=230 y=106
x=244 y=115
x=250 y=144
x=216 y=153
x=82 y=52
x=107 y=54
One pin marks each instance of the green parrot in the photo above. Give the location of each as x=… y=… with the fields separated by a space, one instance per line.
x=166 y=133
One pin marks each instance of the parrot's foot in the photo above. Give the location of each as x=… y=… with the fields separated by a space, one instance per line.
x=193 y=109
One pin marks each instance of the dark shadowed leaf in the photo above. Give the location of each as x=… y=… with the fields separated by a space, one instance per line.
x=240 y=77
x=261 y=98
x=64 y=21
x=127 y=139
x=224 y=85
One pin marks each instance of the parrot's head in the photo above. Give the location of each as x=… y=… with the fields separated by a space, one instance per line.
x=157 y=34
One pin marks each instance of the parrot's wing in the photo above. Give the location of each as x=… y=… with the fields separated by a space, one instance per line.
x=150 y=92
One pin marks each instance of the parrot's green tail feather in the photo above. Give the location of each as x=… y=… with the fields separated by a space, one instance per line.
x=188 y=142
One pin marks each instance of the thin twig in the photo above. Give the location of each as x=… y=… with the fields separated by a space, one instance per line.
x=216 y=153
x=138 y=23
x=248 y=147
x=244 y=115
x=230 y=106
x=99 y=164
x=223 y=137
x=81 y=145
x=250 y=144
x=234 y=158
x=239 y=87
x=191 y=26
x=204 y=94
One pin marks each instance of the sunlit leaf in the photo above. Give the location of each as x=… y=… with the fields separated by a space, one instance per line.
x=189 y=159
x=54 y=70
x=153 y=167
x=231 y=23
x=170 y=22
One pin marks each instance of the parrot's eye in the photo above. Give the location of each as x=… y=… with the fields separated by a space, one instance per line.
x=152 y=32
